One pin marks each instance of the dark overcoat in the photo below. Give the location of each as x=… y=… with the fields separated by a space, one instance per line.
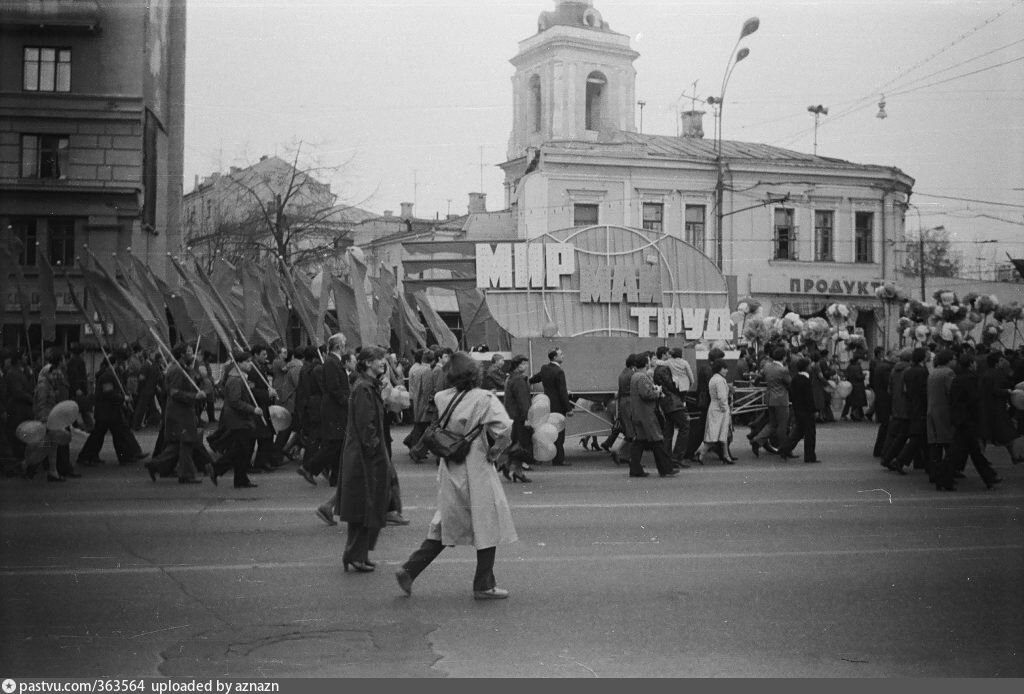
x=643 y=403
x=334 y=402
x=365 y=480
x=180 y=420
x=995 y=425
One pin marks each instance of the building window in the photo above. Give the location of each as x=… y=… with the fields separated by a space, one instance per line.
x=24 y=233
x=653 y=214
x=694 y=231
x=823 y=226
x=596 y=83
x=584 y=214
x=863 y=237
x=535 y=103
x=44 y=156
x=61 y=240
x=46 y=69
x=785 y=235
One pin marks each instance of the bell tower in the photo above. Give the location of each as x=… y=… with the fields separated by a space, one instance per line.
x=574 y=80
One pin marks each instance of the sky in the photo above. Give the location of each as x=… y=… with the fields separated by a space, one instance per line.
x=412 y=101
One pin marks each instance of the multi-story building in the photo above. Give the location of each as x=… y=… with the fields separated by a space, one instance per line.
x=252 y=212
x=91 y=140
x=797 y=231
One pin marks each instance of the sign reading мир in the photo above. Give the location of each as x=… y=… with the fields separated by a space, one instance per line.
x=542 y=265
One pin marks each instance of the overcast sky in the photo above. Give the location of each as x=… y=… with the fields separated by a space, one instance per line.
x=407 y=98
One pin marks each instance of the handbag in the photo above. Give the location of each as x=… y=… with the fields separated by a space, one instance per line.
x=437 y=439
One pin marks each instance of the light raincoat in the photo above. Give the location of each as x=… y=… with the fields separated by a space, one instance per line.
x=471 y=504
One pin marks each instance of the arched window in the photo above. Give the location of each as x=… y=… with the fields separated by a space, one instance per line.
x=596 y=83
x=536 y=109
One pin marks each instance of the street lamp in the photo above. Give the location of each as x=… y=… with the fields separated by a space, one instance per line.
x=818 y=112
x=749 y=27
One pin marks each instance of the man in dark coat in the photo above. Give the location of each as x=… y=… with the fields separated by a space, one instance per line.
x=333 y=414
x=622 y=426
x=110 y=415
x=643 y=402
x=238 y=419
x=965 y=411
x=552 y=377
x=18 y=398
x=883 y=399
x=517 y=404
x=915 y=389
x=777 y=378
x=896 y=435
x=673 y=410
x=801 y=396
x=181 y=419
x=145 y=402
x=307 y=406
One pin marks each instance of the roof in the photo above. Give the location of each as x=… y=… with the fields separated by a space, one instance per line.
x=704 y=150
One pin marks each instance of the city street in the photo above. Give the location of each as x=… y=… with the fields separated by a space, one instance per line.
x=762 y=569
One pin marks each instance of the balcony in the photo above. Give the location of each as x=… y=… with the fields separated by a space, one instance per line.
x=78 y=15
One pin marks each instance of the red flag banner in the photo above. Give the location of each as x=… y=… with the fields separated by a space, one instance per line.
x=384 y=305
x=411 y=333
x=151 y=290
x=442 y=333
x=364 y=311
x=345 y=306
x=113 y=308
x=198 y=300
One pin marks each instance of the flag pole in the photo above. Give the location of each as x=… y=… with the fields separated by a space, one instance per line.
x=97 y=331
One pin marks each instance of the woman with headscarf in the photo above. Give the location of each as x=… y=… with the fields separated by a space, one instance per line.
x=365 y=466
x=471 y=504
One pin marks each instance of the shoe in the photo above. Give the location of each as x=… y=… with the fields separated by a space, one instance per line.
x=526 y=466
x=605 y=447
x=770 y=448
x=51 y=478
x=785 y=455
x=989 y=484
x=395 y=518
x=640 y=474
x=681 y=465
x=898 y=468
x=728 y=461
x=756 y=447
x=504 y=471
x=246 y=485
x=492 y=594
x=404 y=581
x=152 y=471
x=306 y=475
x=212 y=472
x=945 y=488
x=325 y=516
x=673 y=473
x=594 y=446
x=189 y=480
x=520 y=477
x=358 y=566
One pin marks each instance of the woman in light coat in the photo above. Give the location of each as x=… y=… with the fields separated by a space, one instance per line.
x=718 y=430
x=471 y=505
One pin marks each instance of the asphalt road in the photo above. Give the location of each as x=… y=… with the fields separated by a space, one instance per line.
x=762 y=569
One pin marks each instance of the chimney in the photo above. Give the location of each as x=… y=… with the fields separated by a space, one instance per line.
x=406 y=210
x=693 y=124
x=477 y=203
x=388 y=213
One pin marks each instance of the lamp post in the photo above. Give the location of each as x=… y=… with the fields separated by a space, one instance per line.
x=749 y=27
x=818 y=112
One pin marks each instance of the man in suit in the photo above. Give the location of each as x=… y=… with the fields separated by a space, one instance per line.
x=238 y=418
x=333 y=414
x=777 y=378
x=915 y=389
x=552 y=377
x=880 y=376
x=804 y=412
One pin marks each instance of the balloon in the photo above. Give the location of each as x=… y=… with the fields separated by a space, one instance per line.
x=1017 y=399
x=31 y=432
x=543 y=451
x=550 y=329
x=1019 y=386
x=62 y=415
x=844 y=389
x=546 y=433
x=557 y=420
x=280 y=418
x=540 y=408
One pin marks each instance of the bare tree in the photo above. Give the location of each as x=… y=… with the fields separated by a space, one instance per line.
x=932 y=248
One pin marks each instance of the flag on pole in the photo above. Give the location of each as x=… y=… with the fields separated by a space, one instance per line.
x=364 y=311
x=345 y=306
x=155 y=304
x=47 y=297
x=411 y=333
x=301 y=298
x=154 y=294
x=108 y=302
x=324 y=298
x=223 y=310
x=199 y=302
x=273 y=298
x=129 y=308
x=479 y=326
x=442 y=333
x=384 y=293
x=19 y=284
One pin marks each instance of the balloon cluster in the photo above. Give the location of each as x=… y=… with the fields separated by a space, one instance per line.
x=1017 y=396
x=397 y=399
x=891 y=293
x=952 y=319
x=546 y=426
